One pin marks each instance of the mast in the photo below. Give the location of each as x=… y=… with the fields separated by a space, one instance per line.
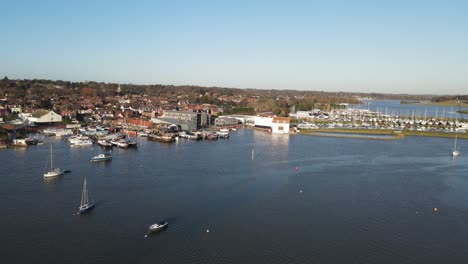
x=84 y=194
x=51 y=158
x=253 y=153
x=455 y=143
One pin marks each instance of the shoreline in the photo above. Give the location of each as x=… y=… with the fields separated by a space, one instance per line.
x=397 y=134
x=453 y=103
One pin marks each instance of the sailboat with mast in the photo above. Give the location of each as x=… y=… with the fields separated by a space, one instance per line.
x=455 y=151
x=53 y=172
x=86 y=204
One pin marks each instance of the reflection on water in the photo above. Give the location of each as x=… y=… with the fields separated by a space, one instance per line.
x=280 y=139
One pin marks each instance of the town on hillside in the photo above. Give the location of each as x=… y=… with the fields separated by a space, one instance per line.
x=165 y=113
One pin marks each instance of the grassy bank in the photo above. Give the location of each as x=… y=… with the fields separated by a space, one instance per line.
x=444 y=103
x=397 y=134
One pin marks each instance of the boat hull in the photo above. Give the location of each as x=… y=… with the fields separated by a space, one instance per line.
x=99 y=160
x=53 y=174
x=163 y=139
x=85 y=209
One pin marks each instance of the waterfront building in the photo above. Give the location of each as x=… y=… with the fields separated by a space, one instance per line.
x=280 y=125
x=248 y=120
x=189 y=121
x=226 y=121
x=277 y=125
x=264 y=120
x=45 y=117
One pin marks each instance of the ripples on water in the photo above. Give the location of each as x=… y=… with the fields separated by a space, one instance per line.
x=362 y=201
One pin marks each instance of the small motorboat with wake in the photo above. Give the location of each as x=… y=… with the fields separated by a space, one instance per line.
x=158 y=226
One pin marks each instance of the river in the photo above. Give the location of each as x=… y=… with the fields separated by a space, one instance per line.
x=350 y=201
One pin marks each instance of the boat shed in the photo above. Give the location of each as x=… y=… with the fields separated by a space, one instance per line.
x=45 y=117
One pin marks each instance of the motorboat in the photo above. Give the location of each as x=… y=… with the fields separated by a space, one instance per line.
x=223 y=133
x=101 y=157
x=119 y=143
x=104 y=143
x=158 y=226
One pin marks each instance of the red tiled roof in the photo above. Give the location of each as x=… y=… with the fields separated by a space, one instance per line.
x=281 y=120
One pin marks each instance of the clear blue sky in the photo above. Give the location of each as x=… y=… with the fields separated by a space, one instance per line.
x=365 y=46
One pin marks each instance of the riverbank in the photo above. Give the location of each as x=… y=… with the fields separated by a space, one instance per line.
x=366 y=133
x=453 y=103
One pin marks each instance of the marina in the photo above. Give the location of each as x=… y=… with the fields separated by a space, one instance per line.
x=234 y=132
x=347 y=194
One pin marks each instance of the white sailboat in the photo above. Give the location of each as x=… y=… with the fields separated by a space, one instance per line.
x=455 y=151
x=53 y=172
x=253 y=154
x=85 y=204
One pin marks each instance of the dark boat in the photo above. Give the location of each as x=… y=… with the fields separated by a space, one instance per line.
x=31 y=141
x=131 y=143
x=101 y=157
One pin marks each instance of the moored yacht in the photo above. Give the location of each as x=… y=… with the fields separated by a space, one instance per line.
x=53 y=172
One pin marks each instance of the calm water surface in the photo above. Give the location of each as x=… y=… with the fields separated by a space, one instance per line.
x=362 y=201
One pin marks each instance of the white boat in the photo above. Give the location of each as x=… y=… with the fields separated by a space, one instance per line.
x=86 y=204
x=223 y=133
x=101 y=157
x=158 y=226
x=63 y=132
x=83 y=142
x=53 y=172
x=104 y=143
x=19 y=143
x=455 y=151
x=77 y=139
x=119 y=143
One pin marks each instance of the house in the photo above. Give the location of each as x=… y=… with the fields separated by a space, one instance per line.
x=45 y=117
